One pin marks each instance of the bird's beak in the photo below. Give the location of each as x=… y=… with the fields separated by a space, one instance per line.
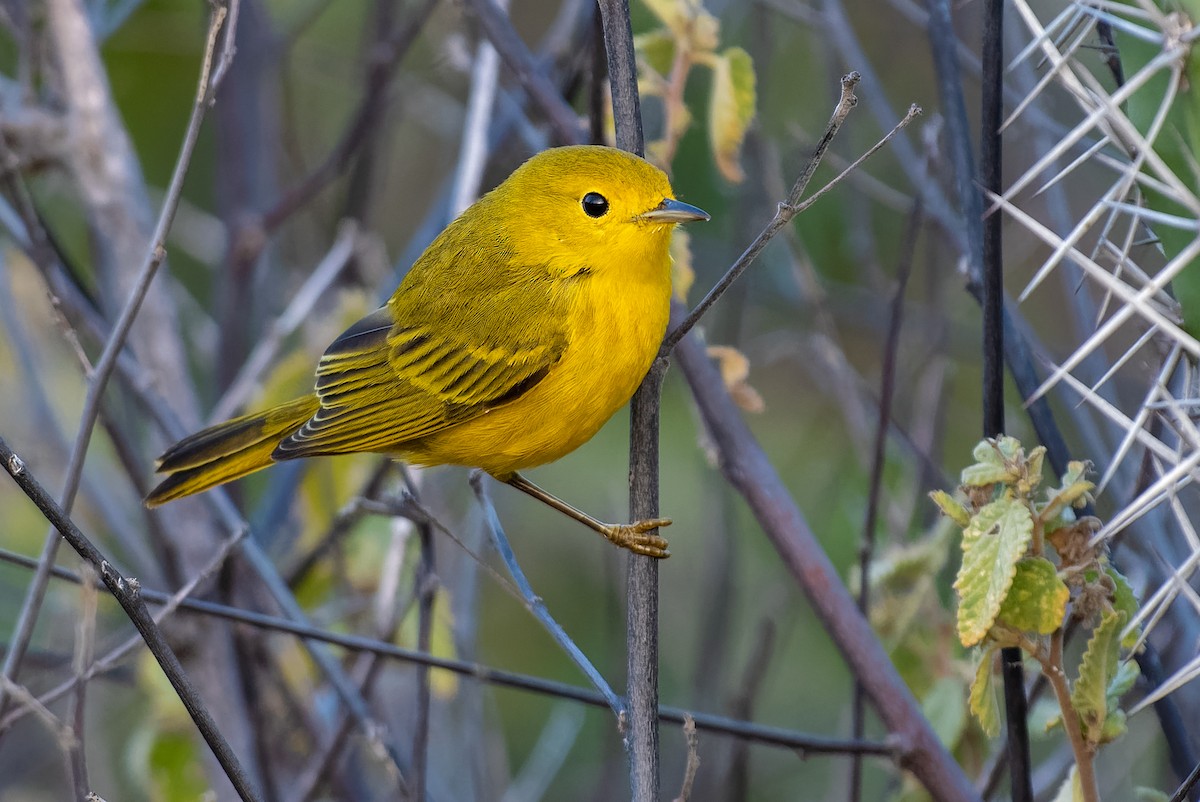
x=673 y=211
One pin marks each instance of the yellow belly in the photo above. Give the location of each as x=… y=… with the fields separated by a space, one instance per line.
x=616 y=332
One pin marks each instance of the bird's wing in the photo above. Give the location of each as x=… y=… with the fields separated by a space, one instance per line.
x=386 y=381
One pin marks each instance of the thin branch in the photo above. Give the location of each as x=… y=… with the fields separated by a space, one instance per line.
x=516 y=56
x=693 y=760
x=382 y=68
x=127 y=593
x=268 y=345
x=641 y=573
x=85 y=645
x=473 y=151
x=116 y=342
x=534 y=603
x=426 y=584
x=790 y=207
x=746 y=467
x=723 y=725
x=887 y=386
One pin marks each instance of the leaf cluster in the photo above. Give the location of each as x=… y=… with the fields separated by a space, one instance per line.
x=1029 y=566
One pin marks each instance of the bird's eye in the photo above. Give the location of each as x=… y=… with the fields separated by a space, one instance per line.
x=595 y=204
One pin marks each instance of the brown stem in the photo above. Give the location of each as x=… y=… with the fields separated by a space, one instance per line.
x=1052 y=667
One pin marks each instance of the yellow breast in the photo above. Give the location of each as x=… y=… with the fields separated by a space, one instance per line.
x=617 y=322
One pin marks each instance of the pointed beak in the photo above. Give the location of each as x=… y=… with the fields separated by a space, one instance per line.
x=673 y=211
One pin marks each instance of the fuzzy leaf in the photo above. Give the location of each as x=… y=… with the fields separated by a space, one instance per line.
x=730 y=109
x=1097 y=669
x=996 y=539
x=950 y=507
x=1037 y=600
x=1127 y=674
x=983 y=700
x=993 y=462
x=1074 y=490
x=1125 y=601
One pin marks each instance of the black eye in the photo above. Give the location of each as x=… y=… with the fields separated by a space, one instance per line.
x=595 y=204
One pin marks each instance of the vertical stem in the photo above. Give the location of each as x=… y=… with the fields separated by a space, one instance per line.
x=991 y=179
x=1053 y=669
x=641 y=591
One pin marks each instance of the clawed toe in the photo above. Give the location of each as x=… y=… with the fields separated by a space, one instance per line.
x=635 y=537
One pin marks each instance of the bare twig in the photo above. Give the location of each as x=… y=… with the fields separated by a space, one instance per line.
x=887 y=384
x=693 y=759
x=641 y=578
x=426 y=583
x=85 y=645
x=251 y=372
x=723 y=725
x=472 y=152
x=370 y=107
x=746 y=467
x=116 y=342
x=499 y=31
x=790 y=207
x=127 y=594
x=534 y=602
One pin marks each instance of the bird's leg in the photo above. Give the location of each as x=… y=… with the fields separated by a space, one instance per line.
x=635 y=536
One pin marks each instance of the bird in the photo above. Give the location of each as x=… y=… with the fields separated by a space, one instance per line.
x=522 y=328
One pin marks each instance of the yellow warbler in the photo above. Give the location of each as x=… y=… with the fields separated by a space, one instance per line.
x=519 y=331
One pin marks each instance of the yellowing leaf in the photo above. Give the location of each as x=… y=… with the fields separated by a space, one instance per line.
x=1097 y=669
x=997 y=538
x=1037 y=599
x=983 y=701
x=731 y=109
x=689 y=21
x=735 y=370
x=951 y=508
x=682 y=274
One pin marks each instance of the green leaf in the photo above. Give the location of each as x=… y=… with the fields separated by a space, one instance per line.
x=950 y=507
x=946 y=710
x=1124 y=600
x=1097 y=669
x=1074 y=490
x=1127 y=674
x=1037 y=599
x=997 y=538
x=983 y=700
x=993 y=462
x=1113 y=728
x=730 y=109
x=1143 y=794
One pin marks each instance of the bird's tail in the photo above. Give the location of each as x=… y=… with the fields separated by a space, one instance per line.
x=227 y=451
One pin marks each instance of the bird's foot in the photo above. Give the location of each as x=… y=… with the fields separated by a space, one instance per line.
x=636 y=537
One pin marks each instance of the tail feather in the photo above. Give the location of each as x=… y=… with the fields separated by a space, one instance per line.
x=227 y=451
